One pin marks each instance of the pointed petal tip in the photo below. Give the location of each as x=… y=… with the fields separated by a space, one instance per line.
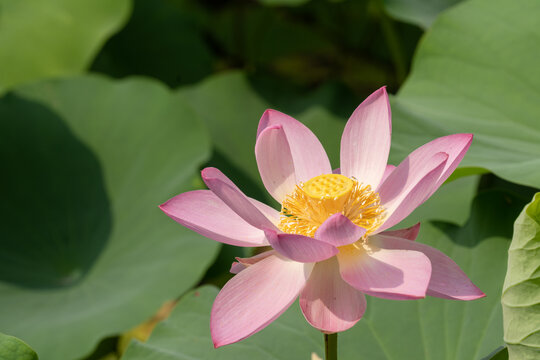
x=165 y=207
x=380 y=92
x=476 y=297
x=477 y=294
x=216 y=342
x=410 y=233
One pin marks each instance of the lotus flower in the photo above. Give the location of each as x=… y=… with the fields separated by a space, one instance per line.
x=330 y=241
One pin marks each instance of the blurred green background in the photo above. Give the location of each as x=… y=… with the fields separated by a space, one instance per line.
x=110 y=107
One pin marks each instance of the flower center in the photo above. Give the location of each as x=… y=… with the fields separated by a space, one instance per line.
x=312 y=202
x=330 y=186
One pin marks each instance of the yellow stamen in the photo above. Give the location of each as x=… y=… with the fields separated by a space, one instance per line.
x=313 y=202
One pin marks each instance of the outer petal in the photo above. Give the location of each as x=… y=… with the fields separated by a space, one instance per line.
x=389 y=274
x=275 y=162
x=410 y=233
x=235 y=198
x=454 y=145
x=338 y=230
x=203 y=212
x=308 y=154
x=242 y=263
x=329 y=303
x=408 y=186
x=365 y=143
x=255 y=297
x=447 y=281
x=300 y=248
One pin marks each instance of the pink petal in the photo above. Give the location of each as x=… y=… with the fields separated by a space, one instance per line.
x=410 y=233
x=203 y=212
x=328 y=303
x=255 y=297
x=308 y=154
x=300 y=248
x=231 y=195
x=387 y=171
x=272 y=214
x=408 y=186
x=242 y=263
x=338 y=230
x=454 y=145
x=447 y=281
x=365 y=143
x=389 y=274
x=275 y=162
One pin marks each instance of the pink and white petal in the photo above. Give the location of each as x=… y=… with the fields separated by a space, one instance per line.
x=410 y=233
x=336 y=171
x=365 y=143
x=275 y=162
x=447 y=281
x=205 y=213
x=387 y=172
x=389 y=274
x=255 y=297
x=272 y=214
x=455 y=146
x=338 y=230
x=407 y=187
x=231 y=195
x=242 y=263
x=328 y=303
x=309 y=157
x=300 y=248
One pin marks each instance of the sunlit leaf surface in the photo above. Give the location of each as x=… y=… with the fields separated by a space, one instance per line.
x=50 y=38
x=12 y=348
x=521 y=295
x=466 y=78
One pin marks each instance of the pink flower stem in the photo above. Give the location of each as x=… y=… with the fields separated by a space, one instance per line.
x=330 y=346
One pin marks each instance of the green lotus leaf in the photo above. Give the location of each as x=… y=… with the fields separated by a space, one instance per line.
x=521 y=292
x=477 y=71
x=12 y=348
x=84 y=250
x=52 y=38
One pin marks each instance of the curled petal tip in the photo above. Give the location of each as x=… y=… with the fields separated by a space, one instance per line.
x=206 y=173
x=274 y=127
x=216 y=345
